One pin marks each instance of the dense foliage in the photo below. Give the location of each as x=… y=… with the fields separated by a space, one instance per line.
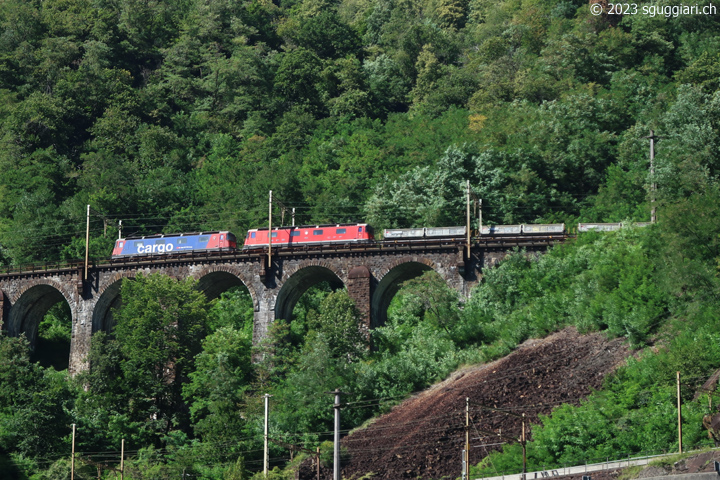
x=197 y=408
x=181 y=115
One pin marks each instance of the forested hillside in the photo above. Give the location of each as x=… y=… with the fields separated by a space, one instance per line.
x=181 y=115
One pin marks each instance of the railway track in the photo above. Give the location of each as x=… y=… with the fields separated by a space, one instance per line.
x=379 y=247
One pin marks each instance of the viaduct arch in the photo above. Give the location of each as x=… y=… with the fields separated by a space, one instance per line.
x=297 y=282
x=372 y=274
x=389 y=284
x=31 y=304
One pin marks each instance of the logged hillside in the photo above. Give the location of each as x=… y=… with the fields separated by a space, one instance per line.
x=424 y=436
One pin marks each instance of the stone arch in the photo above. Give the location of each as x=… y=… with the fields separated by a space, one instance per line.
x=32 y=303
x=298 y=280
x=389 y=284
x=108 y=300
x=216 y=279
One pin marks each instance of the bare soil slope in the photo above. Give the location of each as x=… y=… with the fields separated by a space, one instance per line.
x=424 y=436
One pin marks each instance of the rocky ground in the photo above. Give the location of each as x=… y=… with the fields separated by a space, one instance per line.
x=425 y=435
x=698 y=463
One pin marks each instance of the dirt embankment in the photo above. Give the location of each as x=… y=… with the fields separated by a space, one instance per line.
x=425 y=435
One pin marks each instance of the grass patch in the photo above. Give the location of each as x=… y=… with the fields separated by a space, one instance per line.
x=631 y=473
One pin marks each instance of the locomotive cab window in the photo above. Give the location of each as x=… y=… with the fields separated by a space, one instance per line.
x=359 y=229
x=252 y=234
x=317 y=232
x=339 y=231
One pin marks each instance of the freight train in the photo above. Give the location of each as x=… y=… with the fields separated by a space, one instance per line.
x=351 y=233
x=333 y=234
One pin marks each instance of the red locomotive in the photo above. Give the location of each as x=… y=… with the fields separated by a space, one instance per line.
x=310 y=235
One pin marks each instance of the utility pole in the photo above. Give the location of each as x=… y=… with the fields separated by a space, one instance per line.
x=523 y=439
x=679 y=414
x=119 y=229
x=477 y=205
x=653 y=185
x=265 y=451
x=466 y=473
x=480 y=217
x=87 y=241
x=270 y=232
x=72 y=457
x=122 y=459
x=524 y=447
x=336 y=443
x=293 y=216
x=467 y=209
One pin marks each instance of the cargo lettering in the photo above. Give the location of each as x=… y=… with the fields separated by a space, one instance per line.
x=155 y=248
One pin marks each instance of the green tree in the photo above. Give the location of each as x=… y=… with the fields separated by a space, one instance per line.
x=135 y=378
x=327 y=35
x=338 y=322
x=218 y=386
x=438 y=302
x=34 y=403
x=298 y=78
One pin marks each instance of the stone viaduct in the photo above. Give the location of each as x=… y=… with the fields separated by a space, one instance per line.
x=371 y=273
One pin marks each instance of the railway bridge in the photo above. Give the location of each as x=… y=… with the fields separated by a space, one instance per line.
x=372 y=274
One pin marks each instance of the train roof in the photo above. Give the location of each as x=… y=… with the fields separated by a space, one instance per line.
x=166 y=235
x=313 y=226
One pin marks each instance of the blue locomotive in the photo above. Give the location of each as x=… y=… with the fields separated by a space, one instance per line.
x=174 y=243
